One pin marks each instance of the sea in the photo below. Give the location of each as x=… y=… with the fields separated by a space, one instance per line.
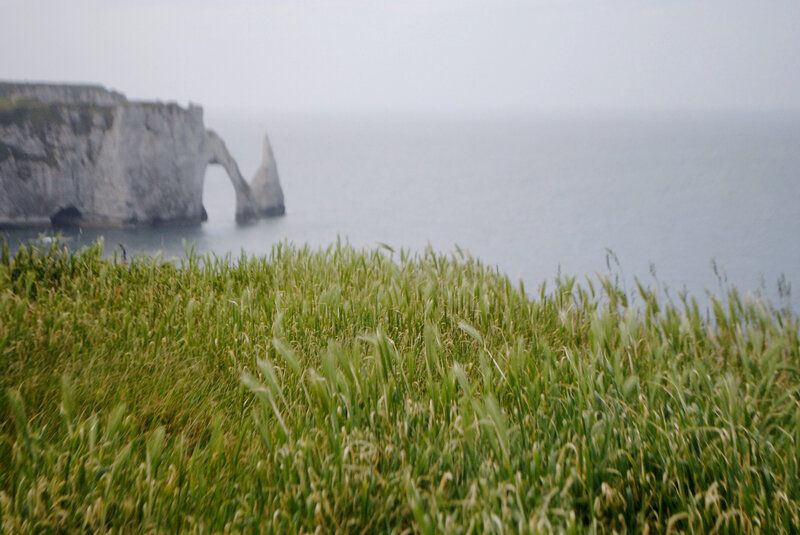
x=682 y=202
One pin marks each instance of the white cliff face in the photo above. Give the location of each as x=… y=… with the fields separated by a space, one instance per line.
x=150 y=167
x=85 y=156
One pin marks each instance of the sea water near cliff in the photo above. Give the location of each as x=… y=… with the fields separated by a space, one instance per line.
x=669 y=194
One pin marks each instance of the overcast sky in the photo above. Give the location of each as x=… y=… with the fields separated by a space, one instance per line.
x=415 y=54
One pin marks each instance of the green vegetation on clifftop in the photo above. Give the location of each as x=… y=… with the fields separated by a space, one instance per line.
x=365 y=391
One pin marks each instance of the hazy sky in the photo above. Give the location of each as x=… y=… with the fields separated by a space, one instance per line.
x=415 y=54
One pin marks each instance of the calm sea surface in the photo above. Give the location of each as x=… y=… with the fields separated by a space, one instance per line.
x=669 y=194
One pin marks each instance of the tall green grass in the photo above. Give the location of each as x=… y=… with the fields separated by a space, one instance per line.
x=356 y=391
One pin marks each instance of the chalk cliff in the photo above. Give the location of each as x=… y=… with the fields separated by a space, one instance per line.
x=83 y=155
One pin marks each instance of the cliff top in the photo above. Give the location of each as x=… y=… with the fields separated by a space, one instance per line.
x=36 y=95
x=50 y=93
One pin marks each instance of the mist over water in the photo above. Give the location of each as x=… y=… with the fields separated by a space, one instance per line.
x=538 y=195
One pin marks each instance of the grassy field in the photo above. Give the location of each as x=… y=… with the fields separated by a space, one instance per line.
x=369 y=391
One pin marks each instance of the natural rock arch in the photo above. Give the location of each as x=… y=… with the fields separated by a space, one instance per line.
x=263 y=196
x=218 y=154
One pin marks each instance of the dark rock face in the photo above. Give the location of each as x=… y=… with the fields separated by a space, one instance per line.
x=83 y=155
x=66 y=217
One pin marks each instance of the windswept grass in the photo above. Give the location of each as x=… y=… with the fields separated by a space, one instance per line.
x=362 y=391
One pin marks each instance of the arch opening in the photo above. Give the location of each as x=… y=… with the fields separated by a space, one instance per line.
x=219 y=196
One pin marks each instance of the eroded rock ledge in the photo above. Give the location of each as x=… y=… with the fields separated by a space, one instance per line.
x=86 y=156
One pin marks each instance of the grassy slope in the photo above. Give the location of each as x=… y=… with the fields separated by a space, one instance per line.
x=353 y=392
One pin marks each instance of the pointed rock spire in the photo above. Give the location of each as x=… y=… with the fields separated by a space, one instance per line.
x=265 y=185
